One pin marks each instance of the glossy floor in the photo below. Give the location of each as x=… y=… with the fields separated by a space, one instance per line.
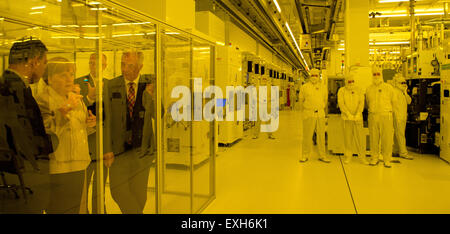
x=265 y=176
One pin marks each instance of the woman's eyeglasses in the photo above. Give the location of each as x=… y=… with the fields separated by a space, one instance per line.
x=350 y=81
x=377 y=74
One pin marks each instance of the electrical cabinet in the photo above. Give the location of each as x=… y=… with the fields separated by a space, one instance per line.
x=445 y=104
x=229 y=73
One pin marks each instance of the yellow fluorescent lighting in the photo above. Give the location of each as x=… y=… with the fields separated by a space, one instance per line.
x=220 y=43
x=142 y=23
x=94 y=3
x=436 y=13
x=129 y=34
x=91 y=26
x=385 y=16
x=340 y=49
x=122 y=35
x=59 y=26
x=65 y=37
x=429 y=10
x=99 y=9
x=390 y=1
x=278 y=6
x=124 y=24
x=172 y=33
x=36 y=12
x=201 y=48
x=392 y=43
x=393 y=12
x=425 y=13
x=38 y=7
x=93 y=37
x=296 y=45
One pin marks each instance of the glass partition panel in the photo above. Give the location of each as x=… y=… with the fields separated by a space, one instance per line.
x=44 y=122
x=60 y=151
x=202 y=139
x=129 y=95
x=177 y=134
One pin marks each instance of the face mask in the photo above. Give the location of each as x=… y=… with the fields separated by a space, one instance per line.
x=377 y=80
x=350 y=85
x=403 y=87
x=314 y=79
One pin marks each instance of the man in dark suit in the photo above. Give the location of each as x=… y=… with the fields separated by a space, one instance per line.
x=88 y=84
x=26 y=134
x=20 y=117
x=129 y=109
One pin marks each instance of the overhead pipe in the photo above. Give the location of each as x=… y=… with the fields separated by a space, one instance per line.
x=413 y=25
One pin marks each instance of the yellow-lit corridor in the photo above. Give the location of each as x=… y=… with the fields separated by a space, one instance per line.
x=265 y=176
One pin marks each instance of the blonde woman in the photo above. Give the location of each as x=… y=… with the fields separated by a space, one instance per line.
x=67 y=120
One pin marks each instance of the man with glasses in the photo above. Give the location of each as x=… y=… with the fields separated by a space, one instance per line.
x=313 y=101
x=402 y=100
x=380 y=98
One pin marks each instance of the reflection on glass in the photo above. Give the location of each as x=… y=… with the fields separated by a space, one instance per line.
x=68 y=122
x=87 y=85
x=176 y=135
x=203 y=130
x=129 y=109
x=52 y=130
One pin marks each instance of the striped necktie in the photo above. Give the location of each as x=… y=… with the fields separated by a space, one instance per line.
x=131 y=98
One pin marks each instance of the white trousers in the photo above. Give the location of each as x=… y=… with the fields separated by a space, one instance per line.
x=400 y=140
x=309 y=125
x=354 y=138
x=257 y=129
x=381 y=132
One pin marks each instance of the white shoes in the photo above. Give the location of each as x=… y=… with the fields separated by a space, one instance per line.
x=364 y=161
x=374 y=161
x=406 y=157
x=347 y=160
x=324 y=159
x=387 y=164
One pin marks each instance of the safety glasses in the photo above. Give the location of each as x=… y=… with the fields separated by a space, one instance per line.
x=314 y=75
x=376 y=74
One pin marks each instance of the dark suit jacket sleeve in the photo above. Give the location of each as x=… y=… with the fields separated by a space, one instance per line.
x=20 y=138
x=83 y=89
x=107 y=140
x=148 y=136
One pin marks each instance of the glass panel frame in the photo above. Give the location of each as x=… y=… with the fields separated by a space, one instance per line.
x=92 y=33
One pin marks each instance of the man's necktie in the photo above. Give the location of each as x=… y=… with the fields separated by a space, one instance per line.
x=131 y=98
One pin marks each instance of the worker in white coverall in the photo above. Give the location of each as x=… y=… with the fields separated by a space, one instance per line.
x=380 y=98
x=313 y=101
x=267 y=101
x=351 y=103
x=400 y=109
